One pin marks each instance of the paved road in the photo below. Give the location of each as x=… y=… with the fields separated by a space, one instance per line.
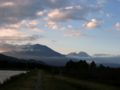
x=38 y=85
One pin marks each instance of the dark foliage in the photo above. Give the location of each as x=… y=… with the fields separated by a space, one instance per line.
x=83 y=70
x=4 y=64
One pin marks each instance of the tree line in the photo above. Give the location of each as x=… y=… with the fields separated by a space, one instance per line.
x=5 y=64
x=102 y=74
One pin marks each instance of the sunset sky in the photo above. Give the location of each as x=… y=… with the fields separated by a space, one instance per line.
x=92 y=26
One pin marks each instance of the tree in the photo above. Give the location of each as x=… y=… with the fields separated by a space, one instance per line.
x=101 y=66
x=93 y=65
x=70 y=64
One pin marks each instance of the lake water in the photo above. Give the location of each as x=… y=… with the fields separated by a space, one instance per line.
x=6 y=74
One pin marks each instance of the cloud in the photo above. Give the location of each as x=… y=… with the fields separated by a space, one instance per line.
x=23 y=21
x=13 y=11
x=42 y=13
x=69 y=27
x=55 y=3
x=101 y=1
x=102 y=55
x=56 y=16
x=118 y=26
x=36 y=29
x=31 y=26
x=14 y=26
x=10 y=36
x=94 y=23
x=18 y=11
x=71 y=13
x=52 y=25
x=16 y=15
x=4 y=47
x=74 y=35
x=7 y=4
x=33 y=22
x=109 y=15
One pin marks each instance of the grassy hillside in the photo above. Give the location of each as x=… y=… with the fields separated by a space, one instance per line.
x=65 y=83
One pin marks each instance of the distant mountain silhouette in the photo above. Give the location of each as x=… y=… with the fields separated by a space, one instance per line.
x=4 y=57
x=83 y=54
x=12 y=59
x=35 y=50
x=80 y=54
x=72 y=54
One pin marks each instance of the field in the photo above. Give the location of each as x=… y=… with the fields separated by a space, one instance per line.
x=28 y=82
x=65 y=83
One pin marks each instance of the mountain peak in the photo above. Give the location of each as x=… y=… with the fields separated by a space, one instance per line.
x=80 y=54
x=83 y=54
x=72 y=54
x=36 y=50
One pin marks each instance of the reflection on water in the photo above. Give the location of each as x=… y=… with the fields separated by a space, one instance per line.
x=5 y=74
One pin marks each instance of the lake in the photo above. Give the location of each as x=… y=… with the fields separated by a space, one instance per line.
x=6 y=74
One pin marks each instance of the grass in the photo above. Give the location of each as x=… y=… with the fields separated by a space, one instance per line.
x=65 y=83
x=27 y=82
x=21 y=82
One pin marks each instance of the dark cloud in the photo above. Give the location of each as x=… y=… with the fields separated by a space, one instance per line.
x=11 y=39
x=19 y=10
x=55 y=3
x=13 y=11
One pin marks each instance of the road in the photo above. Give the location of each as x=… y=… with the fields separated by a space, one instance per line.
x=38 y=85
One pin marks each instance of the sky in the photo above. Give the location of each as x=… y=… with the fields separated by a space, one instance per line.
x=92 y=26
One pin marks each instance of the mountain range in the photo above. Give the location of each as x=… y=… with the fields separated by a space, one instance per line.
x=41 y=51
x=42 y=54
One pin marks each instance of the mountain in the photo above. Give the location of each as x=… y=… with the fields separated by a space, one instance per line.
x=35 y=50
x=72 y=54
x=80 y=54
x=83 y=54
x=12 y=59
